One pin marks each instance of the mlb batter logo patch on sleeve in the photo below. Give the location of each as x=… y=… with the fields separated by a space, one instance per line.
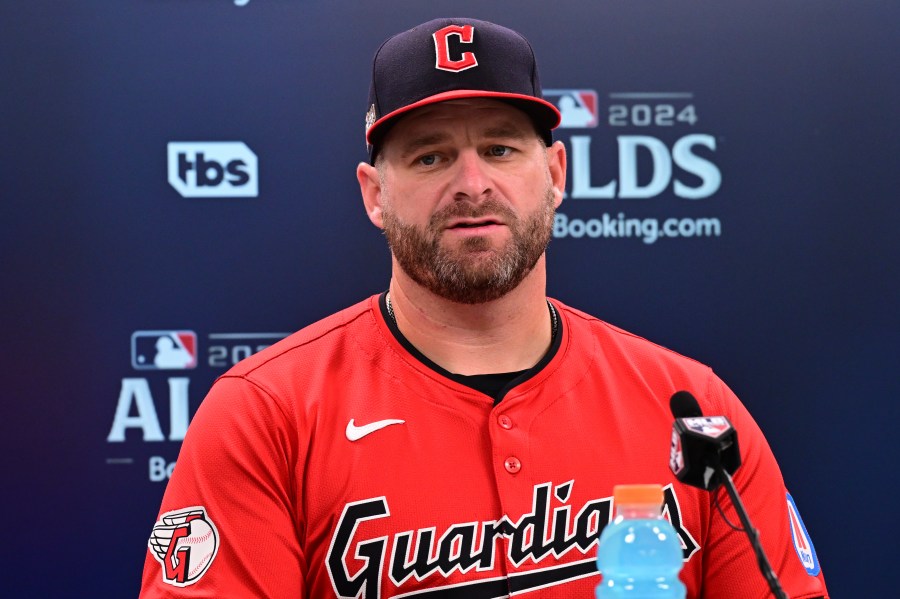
x=185 y=543
x=802 y=543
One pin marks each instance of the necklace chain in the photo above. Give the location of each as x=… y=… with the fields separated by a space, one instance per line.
x=554 y=319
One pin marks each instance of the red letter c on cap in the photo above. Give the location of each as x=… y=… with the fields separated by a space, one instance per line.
x=442 y=48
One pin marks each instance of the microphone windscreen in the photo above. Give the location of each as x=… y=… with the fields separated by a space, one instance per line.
x=684 y=405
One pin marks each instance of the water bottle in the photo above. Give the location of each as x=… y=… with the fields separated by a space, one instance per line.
x=640 y=554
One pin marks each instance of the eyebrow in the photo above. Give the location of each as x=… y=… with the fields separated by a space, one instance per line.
x=501 y=131
x=508 y=131
x=417 y=143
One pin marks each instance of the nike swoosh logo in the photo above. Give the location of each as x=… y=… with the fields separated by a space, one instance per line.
x=355 y=433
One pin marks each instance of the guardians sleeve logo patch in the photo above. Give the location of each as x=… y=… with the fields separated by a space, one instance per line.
x=185 y=542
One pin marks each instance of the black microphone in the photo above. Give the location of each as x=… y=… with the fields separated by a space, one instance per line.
x=684 y=405
x=701 y=444
x=705 y=454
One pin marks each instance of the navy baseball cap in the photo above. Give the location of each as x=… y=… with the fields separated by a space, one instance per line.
x=447 y=59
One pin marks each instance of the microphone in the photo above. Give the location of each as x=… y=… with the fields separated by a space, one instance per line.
x=684 y=405
x=701 y=444
x=705 y=454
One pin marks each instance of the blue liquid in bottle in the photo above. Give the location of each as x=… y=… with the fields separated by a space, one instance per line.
x=640 y=555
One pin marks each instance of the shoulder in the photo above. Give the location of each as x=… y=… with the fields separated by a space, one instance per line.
x=634 y=365
x=318 y=348
x=313 y=338
x=615 y=341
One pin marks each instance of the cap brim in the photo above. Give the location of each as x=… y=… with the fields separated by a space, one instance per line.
x=545 y=115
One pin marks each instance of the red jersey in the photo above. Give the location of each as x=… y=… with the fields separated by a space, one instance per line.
x=337 y=464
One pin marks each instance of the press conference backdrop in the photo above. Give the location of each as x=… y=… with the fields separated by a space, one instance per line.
x=178 y=192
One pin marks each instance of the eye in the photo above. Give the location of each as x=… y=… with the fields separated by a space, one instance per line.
x=500 y=151
x=427 y=159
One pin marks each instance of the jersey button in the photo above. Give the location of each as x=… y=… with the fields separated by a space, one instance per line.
x=505 y=421
x=512 y=464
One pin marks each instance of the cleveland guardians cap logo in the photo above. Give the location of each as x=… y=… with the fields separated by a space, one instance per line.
x=442 y=48
x=185 y=542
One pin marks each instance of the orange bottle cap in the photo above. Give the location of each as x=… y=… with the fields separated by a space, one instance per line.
x=638 y=494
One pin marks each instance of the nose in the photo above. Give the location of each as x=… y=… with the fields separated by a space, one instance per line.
x=472 y=181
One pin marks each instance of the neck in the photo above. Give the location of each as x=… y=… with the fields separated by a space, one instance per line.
x=504 y=335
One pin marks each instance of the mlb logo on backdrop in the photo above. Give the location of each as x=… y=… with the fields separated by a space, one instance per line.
x=213 y=169
x=164 y=350
x=578 y=107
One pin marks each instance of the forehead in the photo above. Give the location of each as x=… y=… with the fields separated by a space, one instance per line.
x=475 y=117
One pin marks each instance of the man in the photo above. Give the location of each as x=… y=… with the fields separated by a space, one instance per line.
x=459 y=435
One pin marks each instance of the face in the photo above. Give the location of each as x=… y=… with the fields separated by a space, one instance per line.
x=466 y=196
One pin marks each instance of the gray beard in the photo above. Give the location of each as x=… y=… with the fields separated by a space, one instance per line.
x=474 y=272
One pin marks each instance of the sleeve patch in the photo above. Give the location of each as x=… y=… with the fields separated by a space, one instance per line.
x=185 y=543
x=802 y=543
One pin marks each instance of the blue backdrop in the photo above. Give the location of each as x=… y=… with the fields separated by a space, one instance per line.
x=732 y=195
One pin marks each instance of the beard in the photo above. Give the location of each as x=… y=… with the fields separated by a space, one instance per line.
x=474 y=272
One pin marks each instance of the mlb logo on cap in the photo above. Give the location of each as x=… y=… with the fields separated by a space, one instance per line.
x=164 y=350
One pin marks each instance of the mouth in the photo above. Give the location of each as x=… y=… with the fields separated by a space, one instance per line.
x=473 y=223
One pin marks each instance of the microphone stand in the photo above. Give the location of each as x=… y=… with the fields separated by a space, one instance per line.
x=764 y=566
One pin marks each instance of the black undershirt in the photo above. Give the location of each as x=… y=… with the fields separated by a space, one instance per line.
x=494 y=385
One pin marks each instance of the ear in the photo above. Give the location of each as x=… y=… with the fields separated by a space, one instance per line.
x=556 y=161
x=370 y=188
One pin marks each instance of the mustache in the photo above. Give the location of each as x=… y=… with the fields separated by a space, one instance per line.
x=466 y=209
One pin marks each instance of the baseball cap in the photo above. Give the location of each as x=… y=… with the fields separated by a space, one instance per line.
x=446 y=59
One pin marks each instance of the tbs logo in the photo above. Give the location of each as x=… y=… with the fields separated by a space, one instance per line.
x=578 y=107
x=213 y=169
x=164 y=350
